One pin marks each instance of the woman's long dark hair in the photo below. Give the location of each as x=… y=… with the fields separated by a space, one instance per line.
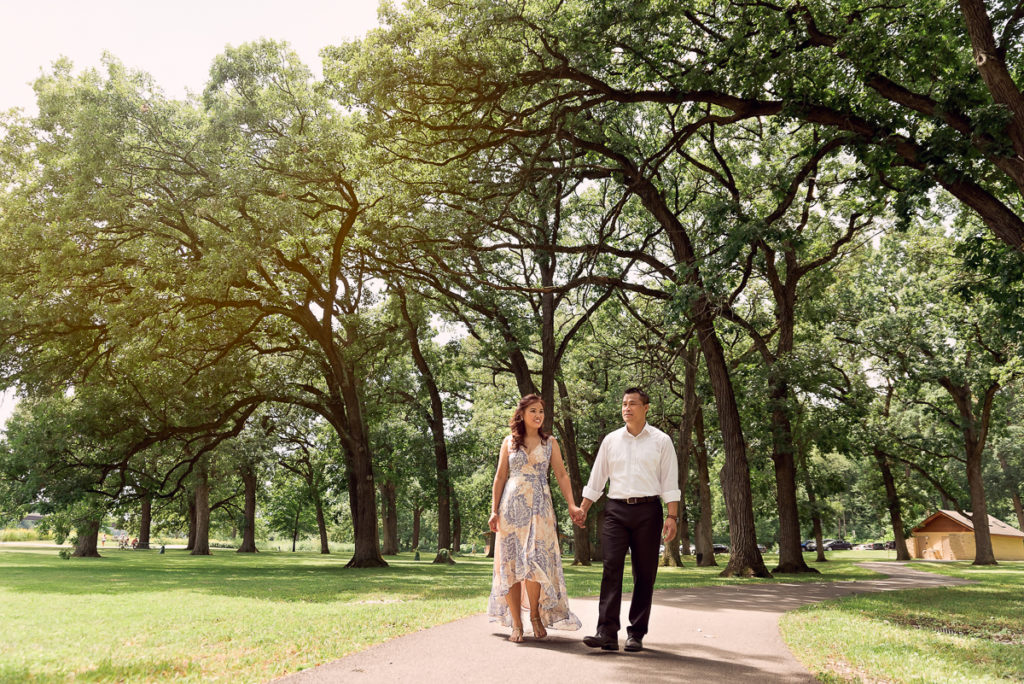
x=517 y=425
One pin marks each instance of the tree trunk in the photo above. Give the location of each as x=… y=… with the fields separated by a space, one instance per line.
x=444 y=519
x=975 y=431
x=145 y=520
x=983 y=553
x=295 y=528
x=892 y=501
x=248 y=544
x=390 y=506
x=990 y=58
x=546 y=262
x=417 y=511
x=571 y=456
x=491 y=539
x=705 y=548
x=436 y=422
x=348 y=421
x=745 y=558
x=191 y=543
x=88 y=535
x=1014 y=489
x=456 y=526
x=202 y=507
x=812 y=500
x=791 y=557
x=671 y=556
x=321 y=523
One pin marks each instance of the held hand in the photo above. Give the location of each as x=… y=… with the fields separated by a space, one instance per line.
x=492 y=522
x=668 y=531
x=581 y=517
x=577 y=515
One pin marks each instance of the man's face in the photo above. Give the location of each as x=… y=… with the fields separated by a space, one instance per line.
x=634 y=410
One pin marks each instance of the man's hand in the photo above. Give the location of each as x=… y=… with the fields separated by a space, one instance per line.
x=668 y=530
x=579 y=516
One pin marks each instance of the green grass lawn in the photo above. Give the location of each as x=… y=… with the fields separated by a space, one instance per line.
x=971 y=633
x=143 y=616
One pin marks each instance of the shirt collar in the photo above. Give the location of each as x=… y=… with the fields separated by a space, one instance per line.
x=644 y=430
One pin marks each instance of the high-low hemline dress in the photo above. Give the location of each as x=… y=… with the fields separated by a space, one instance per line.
x=526 y=544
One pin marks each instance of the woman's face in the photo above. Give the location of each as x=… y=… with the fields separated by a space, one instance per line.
x=533 y=415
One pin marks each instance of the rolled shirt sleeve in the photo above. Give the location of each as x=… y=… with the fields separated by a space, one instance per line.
x=598 y=474
x=669 y=472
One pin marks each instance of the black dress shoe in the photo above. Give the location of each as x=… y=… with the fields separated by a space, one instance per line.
x=634 y=644
x=605 y=643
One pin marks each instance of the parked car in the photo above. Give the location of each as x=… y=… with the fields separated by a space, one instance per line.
x=807 y=545
x=720 y=548
x=838 y=545
x=813 y=545
x=869 y=546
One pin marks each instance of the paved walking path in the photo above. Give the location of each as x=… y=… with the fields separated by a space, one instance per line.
x=723 y=634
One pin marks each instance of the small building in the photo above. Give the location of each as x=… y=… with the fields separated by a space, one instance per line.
x=948 y=535
x=30 y=521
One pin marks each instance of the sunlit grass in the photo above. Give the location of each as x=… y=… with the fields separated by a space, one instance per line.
x=971 y=633
x=144 y=616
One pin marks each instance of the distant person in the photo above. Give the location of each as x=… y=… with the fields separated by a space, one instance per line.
x=104 y=539
x=640 y=462
x=527 y=562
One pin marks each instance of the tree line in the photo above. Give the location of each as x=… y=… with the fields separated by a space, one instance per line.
x=805 y=243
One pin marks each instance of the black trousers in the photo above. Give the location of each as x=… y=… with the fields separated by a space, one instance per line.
x=635 y=528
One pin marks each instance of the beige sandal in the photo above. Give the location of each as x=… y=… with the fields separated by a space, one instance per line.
x=538 y=628
x=517 y=635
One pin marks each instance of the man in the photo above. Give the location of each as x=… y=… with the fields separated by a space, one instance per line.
x=640 y=462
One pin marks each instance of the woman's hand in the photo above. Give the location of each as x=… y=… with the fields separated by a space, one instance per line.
x=492 y=522
x=577 y=515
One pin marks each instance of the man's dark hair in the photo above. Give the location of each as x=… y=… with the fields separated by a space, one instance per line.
x=636 y=390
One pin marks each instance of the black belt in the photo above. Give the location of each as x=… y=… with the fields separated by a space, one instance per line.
x=638 y=499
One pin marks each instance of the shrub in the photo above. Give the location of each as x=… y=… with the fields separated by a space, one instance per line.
x=19 y=534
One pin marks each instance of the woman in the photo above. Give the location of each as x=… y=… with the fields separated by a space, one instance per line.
x=527 y=557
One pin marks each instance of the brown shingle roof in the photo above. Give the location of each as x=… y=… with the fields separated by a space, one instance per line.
x=995 y=525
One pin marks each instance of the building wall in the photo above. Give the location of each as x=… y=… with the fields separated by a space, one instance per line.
x=942 y=545
x=1008 y=548
x=960 y=546
x=944 y=524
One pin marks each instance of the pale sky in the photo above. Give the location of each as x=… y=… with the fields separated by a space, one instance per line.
x=173 y=41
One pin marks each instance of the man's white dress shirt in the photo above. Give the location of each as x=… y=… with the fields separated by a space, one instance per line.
x=644 y=465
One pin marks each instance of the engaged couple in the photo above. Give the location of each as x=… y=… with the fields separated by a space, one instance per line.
x=638 y=462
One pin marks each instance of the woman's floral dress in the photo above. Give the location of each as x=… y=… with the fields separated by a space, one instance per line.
x=526 y=545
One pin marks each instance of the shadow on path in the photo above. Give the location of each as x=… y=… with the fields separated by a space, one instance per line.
x=703 y=634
